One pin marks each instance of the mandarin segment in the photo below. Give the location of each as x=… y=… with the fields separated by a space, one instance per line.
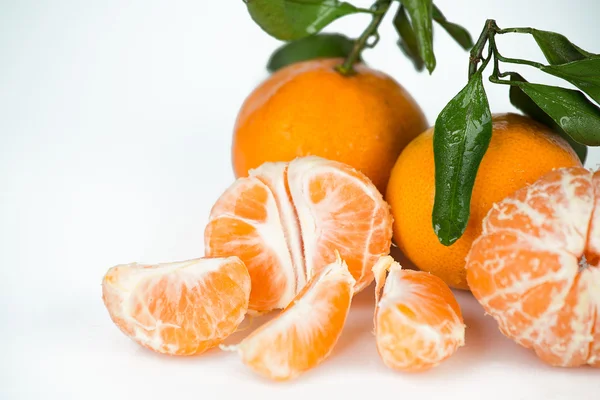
x=339 y=209
x=565 y=341
x=530 y=267
x=418 y=322
x=245 y=222
x=179 y=308
x=526 y=282
x=232 y=236
x=306 y=331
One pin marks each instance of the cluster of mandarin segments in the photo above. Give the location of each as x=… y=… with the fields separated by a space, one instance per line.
x=418 y=322
x=287 y=220
x=301 y=236
x=305 y=236
x=536 y=267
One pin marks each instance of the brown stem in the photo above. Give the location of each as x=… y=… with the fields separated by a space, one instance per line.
x=379 y=10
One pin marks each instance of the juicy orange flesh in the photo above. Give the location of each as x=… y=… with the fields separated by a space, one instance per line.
x=302 y=353
x=351 y=222
x=181 y=316
x=233 y=229
x=520 y=280
x=231 y=236
x=247 y=202
x=419 y=324
x=348 y=231
x=525 y=269
x=305 y=332
x=197 y=314
x=251 y=204
x=573 y=324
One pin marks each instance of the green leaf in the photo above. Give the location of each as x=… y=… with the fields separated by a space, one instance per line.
x=570 y=109
x=408 y=39
x=324 y=45
x=458 y=33
x=295 y=19
x=558 y=49
x=463 y=131
x=421 y=16
x=520 y=100
x=585 y=74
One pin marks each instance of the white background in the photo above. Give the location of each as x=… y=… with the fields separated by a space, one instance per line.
x=115 y=128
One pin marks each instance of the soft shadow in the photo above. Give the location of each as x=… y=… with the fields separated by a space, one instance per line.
x=486 y=345
x=249 y=325
x=402 y=259
x=208 y=356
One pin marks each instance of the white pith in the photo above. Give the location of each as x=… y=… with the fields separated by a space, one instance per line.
x=304 y=318
x=127 y=288
x=392 y=291
x=274 y=173
x=571 y=230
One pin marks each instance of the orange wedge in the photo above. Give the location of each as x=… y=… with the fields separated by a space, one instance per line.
x=306 y=331
x=245 y=221
x=418 y=322
x=179 y=308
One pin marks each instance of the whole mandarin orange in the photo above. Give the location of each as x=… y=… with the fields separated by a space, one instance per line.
x=308 y=108
x=521 y=150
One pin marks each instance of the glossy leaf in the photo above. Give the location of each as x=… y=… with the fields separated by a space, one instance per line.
x=570 y=109
x=408 y=39
x=325 y=45
x=295 y=19
x=558 y=49
x=524 y=103
x=458 y=33
x=585 y=74
x=463 y=131
x=421 y=16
